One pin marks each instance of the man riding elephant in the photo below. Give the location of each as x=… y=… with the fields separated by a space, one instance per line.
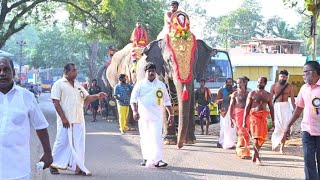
x=139 y=39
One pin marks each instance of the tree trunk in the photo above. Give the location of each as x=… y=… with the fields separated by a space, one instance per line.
x=92 y=60
x=314 y=32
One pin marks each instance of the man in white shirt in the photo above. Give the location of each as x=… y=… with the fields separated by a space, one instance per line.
x=18 y=109
x=68 y=97
x=148 y=98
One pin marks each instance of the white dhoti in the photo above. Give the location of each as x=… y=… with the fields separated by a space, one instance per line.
x=228 y=134
x=151 y=141
x=282 y=116
x=69 y=147
x=163 y=33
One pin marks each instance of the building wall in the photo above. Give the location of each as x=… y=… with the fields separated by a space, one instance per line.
x=252 y=72
x=292 y=70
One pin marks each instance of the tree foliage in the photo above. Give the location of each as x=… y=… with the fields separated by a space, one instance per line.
x=240 y=24
x=277 y=27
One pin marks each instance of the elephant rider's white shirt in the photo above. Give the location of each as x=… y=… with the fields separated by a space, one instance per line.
x=18 y=108
x=144 y=94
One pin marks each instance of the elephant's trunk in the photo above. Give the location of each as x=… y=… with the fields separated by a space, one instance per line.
x=184 y=113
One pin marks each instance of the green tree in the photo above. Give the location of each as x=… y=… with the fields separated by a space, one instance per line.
x=279 y=28
x=240 y=24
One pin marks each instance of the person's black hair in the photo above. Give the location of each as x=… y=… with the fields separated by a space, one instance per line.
x=121 y=76
x=67 y=67
x=174 y=3
x=94 y=80
x=150 y=66
x=228 y=80
x=10 y=61
x=31 y=86
x=265 y=79
x=203 y=80
x=284 y=72
x=314 y=65
x=246 y=78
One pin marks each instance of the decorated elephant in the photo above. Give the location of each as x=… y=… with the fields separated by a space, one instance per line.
x=179 y=59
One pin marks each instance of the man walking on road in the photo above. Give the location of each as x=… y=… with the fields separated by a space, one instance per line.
x=203 y=98
x=308 y=101
x=256 y=108
x=227 y=135
x=236 y=111
x=282 y=113
x=95 y=105
x=68 y=97
x=19 y=109
x=147 y=100
x=122 y=93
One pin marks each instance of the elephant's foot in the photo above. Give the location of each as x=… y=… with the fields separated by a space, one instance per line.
x=132 y=129
x=191 y=141
x=180 y=145
x=170 y=140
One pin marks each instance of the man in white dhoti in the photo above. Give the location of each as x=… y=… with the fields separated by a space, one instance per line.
x=19 y=109
x=227 y=137
x=68 y=98
x=282 y=113
x=148 y=98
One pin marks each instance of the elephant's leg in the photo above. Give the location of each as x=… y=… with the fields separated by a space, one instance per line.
x=169 y=132
x=184 y=116
x=131 y=123
x=191 y=138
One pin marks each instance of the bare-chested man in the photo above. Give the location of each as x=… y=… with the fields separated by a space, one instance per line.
x=256 y=107
x=281 y=109
x=167 y=19
x=236 y=111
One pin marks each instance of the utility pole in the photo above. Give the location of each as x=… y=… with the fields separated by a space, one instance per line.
x=226 y=40
x=21 y=43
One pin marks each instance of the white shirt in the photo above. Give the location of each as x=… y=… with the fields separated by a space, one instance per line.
x=71 y=99
x=144 y=94
x=18 y=109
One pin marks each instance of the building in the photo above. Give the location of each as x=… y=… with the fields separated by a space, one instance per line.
x=264 y=56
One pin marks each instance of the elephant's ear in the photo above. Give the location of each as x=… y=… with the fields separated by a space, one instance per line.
x=204 y=55
x=153 y=51
x=149 y=47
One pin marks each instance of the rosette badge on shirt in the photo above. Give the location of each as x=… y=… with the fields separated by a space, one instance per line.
x=316 y=104
x=159 y=94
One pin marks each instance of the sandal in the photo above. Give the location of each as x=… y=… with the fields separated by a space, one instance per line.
x=83 y=173
x=54 y=170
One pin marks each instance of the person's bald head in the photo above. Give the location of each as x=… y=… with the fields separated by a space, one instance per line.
x=6 y=73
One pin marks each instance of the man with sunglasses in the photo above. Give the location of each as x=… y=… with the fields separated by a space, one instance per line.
x=308 y=101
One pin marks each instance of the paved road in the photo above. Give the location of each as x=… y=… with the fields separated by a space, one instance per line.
x=110 y=155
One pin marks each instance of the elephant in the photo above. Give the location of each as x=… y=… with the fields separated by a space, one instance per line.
x=158 y=53
x=121 y=63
